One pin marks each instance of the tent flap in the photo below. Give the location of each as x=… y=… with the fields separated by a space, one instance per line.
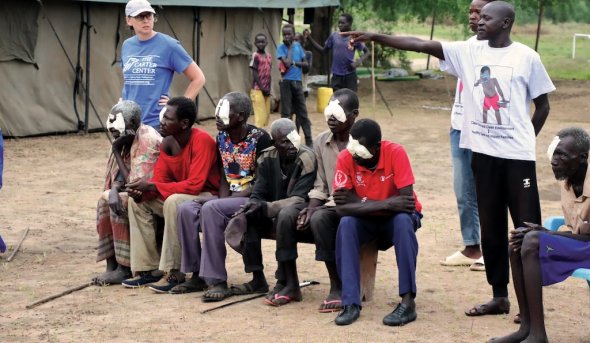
x=237 y=3
x=18 y=30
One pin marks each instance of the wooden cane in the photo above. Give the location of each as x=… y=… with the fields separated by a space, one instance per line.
x=59 y=295
x=20 y=242
x=373 y=75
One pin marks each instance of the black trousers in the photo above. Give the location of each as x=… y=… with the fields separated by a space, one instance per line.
x=293 y=101
x=502 y=185
x=345 y=81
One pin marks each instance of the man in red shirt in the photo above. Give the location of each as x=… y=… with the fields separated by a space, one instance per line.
x=186 y=167
x=373 y=191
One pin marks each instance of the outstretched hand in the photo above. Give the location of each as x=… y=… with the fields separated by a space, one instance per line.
x=357 y=36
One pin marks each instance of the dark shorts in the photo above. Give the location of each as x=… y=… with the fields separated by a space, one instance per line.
x=344 y=81
x=560 y=256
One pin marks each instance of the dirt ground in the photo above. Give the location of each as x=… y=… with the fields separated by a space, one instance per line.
x=51 y=185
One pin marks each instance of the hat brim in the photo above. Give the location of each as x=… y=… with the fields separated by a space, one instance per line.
x=143 y=10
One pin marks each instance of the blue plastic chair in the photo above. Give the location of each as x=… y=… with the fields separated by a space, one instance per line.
x=553 y=223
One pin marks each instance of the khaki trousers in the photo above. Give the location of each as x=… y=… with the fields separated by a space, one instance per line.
x=144 y=249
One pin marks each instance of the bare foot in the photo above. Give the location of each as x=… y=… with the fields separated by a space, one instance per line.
x=472 y=251
x=515 y=337
x=495 y=306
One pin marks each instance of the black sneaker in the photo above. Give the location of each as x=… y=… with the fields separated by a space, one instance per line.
x=400 y=316
x=348 y=315
x=142 y=279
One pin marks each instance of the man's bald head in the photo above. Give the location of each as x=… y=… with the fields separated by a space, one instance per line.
x=500 y=9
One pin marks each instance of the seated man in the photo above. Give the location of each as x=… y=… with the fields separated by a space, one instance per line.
x=186 y=168
x=540 y=257
x=374 y=193
x=134 y=152
x=238 y=146
x=285 y=174
x=320 y=215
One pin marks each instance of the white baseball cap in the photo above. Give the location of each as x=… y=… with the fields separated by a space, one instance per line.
x=135 y=7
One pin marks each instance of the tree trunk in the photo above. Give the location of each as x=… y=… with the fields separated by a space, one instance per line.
x=320 y=30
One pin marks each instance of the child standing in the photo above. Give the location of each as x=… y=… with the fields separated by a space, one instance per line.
x=260 y=93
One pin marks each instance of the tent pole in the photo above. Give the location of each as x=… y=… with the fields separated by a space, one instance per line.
x=87 y=98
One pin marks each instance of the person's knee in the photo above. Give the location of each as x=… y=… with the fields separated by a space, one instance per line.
x=186 y=208
x=530 y=244
x=403 y=221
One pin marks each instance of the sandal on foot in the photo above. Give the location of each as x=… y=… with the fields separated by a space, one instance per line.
x=216 y=293
x=189 y=286
x=491 y=308
x=246 y=288
x=457 y=259
x=326 y=308
x=280 y=300
x=478 y=266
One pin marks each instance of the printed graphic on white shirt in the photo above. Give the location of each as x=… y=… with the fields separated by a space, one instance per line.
x=492 y=93
x=140 y=70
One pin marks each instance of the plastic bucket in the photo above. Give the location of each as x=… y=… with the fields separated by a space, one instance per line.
x=324 y=95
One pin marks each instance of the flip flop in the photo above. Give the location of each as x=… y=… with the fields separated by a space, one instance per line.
x=246 y=288
x=457 y=259
x=280 y=300
x=323 y=308
x=478 y=266
x=485 y=309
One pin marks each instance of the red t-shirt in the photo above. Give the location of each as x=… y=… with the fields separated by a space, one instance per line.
x=393 y=173
x=192 y=171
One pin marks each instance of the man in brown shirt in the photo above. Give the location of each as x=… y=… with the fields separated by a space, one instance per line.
x=540 y=257
x=319 y=218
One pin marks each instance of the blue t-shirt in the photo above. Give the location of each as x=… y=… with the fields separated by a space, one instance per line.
x=297 y=55
x=148 y=67
x=342 y=57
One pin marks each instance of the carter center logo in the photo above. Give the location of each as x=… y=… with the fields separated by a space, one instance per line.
x=526 y=183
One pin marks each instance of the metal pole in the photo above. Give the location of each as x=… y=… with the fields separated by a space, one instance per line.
x=87 y=99
x=574 y=47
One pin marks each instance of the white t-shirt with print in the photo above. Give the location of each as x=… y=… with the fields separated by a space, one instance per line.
x=457 y=111
x=497 y=82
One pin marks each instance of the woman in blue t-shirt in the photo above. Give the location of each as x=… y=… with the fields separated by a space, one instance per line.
x=149 y=60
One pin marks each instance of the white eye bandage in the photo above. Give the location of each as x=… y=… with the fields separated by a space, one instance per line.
x=222 y=111
x=334 y=109
x=162 y=112
x=294 y=137
x=118 y=123
x=552 y=147
x=356 y=148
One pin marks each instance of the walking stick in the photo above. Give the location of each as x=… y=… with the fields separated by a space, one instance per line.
x=301 y=285
x=59 y=295
x=20 y=242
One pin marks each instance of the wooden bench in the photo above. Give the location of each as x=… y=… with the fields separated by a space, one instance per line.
x=368 y=260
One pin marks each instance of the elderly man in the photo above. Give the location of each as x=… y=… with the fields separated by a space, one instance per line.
x=540 y=257
x=186 y=167
x=286 y=172
x=320 y=215
x=134 y=152
x=503 y=159
x=238 y=146
x=374 y=193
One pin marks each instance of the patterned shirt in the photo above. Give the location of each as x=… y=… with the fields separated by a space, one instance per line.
x=239 y=159
x=262 y=63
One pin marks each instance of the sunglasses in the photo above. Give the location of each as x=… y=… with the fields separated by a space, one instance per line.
x=143 y=16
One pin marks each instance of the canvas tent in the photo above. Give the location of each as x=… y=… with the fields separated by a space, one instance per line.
x=43 y=43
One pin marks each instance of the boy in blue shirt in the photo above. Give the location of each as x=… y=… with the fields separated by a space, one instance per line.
x=292 y=59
